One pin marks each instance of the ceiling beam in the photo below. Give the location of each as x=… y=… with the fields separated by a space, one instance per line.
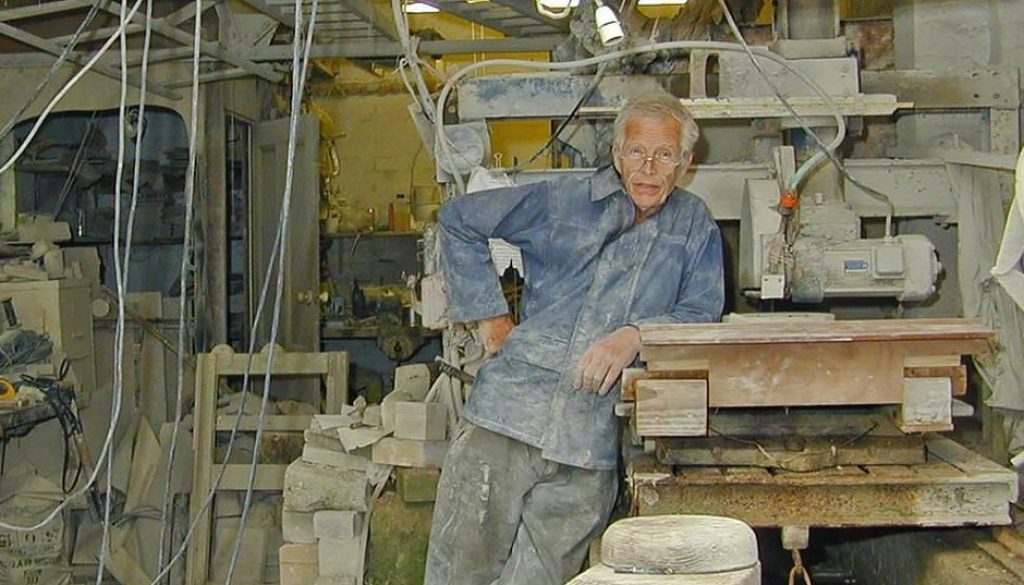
x=34 y=10
x=101 y=68
x=98 y=34
x=373 y=13
x=385 y=50
x=475 y=13
x=267 y=10
x=527 y=9
x=162 y=27
x=222 y=75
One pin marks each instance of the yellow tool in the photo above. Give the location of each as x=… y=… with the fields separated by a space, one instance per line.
x=7 y=390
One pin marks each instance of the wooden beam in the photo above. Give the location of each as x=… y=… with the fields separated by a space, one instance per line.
x=267 y=10
x=375 y=14
x=956 y=487
x=671 y=408
x=163 y=28
x=100 y=68
x=376 y=49
x=98 y=34
x=754 y=333
x=34 y=10
x=797 y=453
x=222 y=75
x=214 y=212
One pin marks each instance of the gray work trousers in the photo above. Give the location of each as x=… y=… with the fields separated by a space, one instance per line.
x=505 y=516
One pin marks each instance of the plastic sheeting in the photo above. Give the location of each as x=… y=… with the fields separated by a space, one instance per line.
x=981 y=221
x=1007 y=270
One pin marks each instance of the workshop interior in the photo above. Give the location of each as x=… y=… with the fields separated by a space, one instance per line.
x=226 y=353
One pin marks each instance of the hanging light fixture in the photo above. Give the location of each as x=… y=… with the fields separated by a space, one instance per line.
x=608 y=26
x=419 y=8
x=661 y=2
x=556 y=9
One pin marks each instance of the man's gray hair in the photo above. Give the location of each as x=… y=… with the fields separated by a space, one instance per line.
x=658 y=107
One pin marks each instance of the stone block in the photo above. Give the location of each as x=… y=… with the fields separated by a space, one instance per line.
x=357 y=438
x=413 y=379
x=372 y=416
x=422 y=421
x=409 y=453
x=297 y=527
x=417 y=485
x=319 y=455
x=309 y=487
x=337 y=580
x=344 y=557
x=337 y=524
x=298 y=564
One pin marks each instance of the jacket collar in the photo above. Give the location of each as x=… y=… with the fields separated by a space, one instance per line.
x=604 y=183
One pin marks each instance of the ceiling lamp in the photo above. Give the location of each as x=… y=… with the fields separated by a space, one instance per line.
x=608 y=26
x=556 y=9
x=419 y=8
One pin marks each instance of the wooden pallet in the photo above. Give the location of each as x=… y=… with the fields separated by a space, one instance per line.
x=211 y=368
x=954 y=487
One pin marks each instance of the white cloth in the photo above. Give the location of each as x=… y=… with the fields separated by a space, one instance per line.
x=1007 y=270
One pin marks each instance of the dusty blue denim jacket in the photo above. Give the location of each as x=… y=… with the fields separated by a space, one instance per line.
x=590 y=269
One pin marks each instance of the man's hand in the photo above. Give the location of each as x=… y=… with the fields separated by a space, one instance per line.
x=600 y=367
x=493 y=332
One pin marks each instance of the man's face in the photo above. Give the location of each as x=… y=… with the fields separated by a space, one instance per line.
x=650 y=161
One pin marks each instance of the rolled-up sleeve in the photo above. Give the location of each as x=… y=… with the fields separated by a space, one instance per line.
x=515 y=214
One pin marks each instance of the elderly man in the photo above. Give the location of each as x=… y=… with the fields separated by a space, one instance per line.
x=531 y=478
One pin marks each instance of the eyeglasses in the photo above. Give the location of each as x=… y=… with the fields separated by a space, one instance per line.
x=661 y=156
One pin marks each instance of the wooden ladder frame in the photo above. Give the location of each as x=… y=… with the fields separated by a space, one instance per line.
x=210 y=368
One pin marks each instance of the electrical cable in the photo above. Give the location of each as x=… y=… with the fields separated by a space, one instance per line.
x=183 y=295
x=412 y=59
x=298 y=85
x=76 y=164
x=826 y=151
x=93 y=10
x=107 y=447
x=277 y=254
x=122 y=283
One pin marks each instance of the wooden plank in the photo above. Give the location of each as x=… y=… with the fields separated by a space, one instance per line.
x=817 y=374
x=198 y=561
x=889 y=471
x=822 y=422
x=269 y=477
x=847 y=497
x=336 y=382
x=808 y=374
x=644 y=468
x=285 y=364
x=957 y=376
x=931 y=361
x=273 y=423
x=945 y=449
x=681 y=370
x=757 y=332
x=798 y=453
x=671 y=408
